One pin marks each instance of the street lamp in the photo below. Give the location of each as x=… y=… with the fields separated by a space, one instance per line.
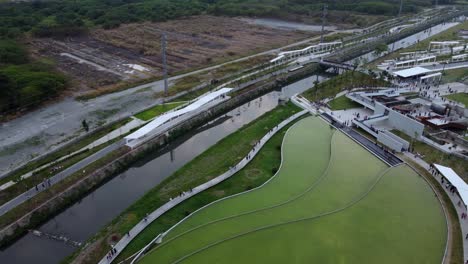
x=443 y=70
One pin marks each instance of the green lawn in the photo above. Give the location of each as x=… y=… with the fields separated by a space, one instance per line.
x=459 y=97
x=455 y=75
x=157 y=110
x=366 y=213
x=342 y=103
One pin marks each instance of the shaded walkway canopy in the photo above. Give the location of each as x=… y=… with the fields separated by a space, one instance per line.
x=455 y=180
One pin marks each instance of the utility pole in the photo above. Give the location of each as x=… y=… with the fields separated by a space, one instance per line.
x=324 y=14
x=164 y=61
x=399 y=14
x=401 y=8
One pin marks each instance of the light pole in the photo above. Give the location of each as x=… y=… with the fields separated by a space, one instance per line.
x=324 y=13
x=163 y=47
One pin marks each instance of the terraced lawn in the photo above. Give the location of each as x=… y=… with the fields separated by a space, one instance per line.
x=330 y=202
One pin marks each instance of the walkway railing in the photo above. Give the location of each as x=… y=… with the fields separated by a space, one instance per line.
x=138 y=228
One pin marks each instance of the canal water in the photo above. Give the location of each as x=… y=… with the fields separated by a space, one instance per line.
x=408 y=41
x=88 y=216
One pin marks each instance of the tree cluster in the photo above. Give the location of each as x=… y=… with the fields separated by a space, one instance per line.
x=23 y=83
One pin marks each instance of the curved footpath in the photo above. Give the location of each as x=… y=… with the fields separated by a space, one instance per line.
x=124 y=241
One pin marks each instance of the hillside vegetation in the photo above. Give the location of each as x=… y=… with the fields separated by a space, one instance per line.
x=23 y=82
x=66 y=17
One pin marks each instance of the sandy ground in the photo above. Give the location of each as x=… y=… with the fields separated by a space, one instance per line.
x=133 y=51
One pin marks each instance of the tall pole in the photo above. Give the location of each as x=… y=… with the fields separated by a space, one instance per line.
x=401 y=7
x=163 y=46
x=324 y=13
x=399 y=14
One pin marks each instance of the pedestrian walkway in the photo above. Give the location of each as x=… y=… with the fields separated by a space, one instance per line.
x=138 y=228
x=46 y=184
x=108 y=137
x=455 y=201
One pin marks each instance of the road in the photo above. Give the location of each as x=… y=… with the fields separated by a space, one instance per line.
x=58 y=177
x=449 y=66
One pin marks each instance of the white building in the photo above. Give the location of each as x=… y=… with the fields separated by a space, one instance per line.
x=164 y=122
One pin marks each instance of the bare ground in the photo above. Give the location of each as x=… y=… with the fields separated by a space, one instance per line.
x=106 y=57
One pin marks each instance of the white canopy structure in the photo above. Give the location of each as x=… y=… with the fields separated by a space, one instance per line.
x=411 y=72
x=314 y=49
x=152 y=127
x=455 y=180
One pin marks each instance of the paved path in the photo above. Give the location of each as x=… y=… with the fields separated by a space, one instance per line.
x=126 y=239
x=449 y=66
x=110 y=136
x=58 y=177
x=453 y=197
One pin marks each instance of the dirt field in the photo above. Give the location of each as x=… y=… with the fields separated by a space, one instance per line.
x=133 y=51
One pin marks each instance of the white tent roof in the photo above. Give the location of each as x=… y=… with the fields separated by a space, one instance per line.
x=158 y=121
x=411 y=72
x=455 y=180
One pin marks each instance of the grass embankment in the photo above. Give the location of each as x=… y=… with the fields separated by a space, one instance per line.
x=388 y=216
x=447 y=35
x=50 y=158
x=157 y=110
x=38 y=177
x=455 y=75
x=212 y=78
x=183 y=83
x=206 y=166
x=348 y=80
x=459 y=97
x=343 y=102
x=432 y=155
x=455 y=252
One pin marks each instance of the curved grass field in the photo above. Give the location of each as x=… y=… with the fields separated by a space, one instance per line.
x=331 y=202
